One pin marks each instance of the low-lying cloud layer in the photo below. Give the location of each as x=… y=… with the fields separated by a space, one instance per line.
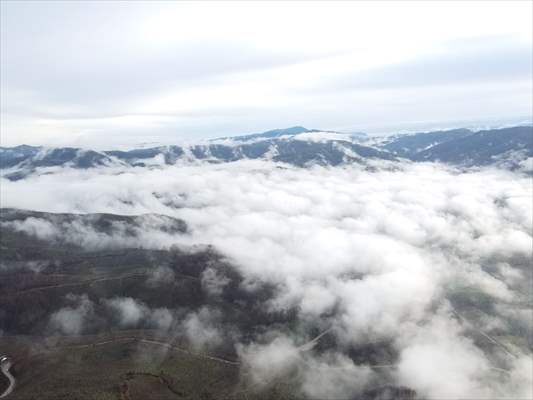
x=422 y=259
x=100 y=230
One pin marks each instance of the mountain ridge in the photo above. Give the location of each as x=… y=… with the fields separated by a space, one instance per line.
x=297 y=146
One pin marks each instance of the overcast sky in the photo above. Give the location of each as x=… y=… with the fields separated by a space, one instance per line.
x=109 y=74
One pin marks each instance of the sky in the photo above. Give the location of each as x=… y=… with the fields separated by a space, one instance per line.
x=114 y=74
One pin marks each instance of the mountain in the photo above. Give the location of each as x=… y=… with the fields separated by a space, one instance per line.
x=271 y=134
x=143 y=157
x=508 y=145
x=408 y=145
x=49 y=285
x=22 y=160
x=295 y=132
x=295 y=151
x=100 y=224
x=118 y=314
x=11 y=156
x=298 y=146
x=41 y=157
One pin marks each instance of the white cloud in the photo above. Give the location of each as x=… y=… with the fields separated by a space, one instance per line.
x=71 y=320
x=133 y=313
x=334 y=377
x=378 y=256
x=269 y=361
x=201 y=328
x=130 y=311
x=213 y=282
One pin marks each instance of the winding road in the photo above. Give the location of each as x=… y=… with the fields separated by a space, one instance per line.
x=5 y=364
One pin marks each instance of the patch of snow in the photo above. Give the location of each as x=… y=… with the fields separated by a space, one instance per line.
x=323 y=136
x=271 y=153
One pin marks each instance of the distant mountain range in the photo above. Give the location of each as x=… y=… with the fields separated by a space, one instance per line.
x=298 y=146
x=507 y=146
